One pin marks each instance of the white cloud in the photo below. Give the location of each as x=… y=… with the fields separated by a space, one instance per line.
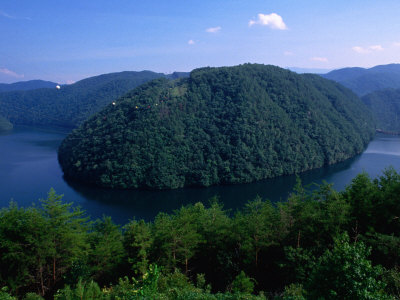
x=11 y=73
x=213 y=29
x=359 y=49
x=5 y=15
x=396 y=44
x=273 y=21
x=369 y=49
x=191 y=42
x=320 y=59
x=376 y=48
x=288 y=53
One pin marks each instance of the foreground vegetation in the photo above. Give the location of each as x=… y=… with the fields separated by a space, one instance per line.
x=319 y=244
x=220 y=126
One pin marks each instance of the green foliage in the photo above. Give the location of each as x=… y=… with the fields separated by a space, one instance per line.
x=40 y=245
x=106 y=250
x=201 y=283
x=243 y=284
x=138 y=241
x=66 y=235
x=24 y=246
x=82 y=291
x=257 y=228
x=144 y=288
x=345 y=273
x=220 y=126
x=32 y=296
x=4 y=295
x=175 y=282
x=294 y=292
x=392 y=280
x=177 y=237
x=300 y=263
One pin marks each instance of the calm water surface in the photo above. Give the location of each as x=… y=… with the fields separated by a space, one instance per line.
x=29 y=168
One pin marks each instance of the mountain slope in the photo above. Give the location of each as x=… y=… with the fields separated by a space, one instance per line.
x=26 y=85
x=72 y=104
x=363 y=81
x=385 y=105
x=220 y=126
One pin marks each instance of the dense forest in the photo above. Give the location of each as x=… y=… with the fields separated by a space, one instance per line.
x=219 y=126
x=318 y=244
x=5 y=124
x=71 y=104
x=26 y=85
x=363 y=81
x=385 y=106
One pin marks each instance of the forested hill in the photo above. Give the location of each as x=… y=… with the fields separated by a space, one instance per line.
x=385 y=105
x=72 y=104
x=219 y=126
x=363 y=81
x=26 y=85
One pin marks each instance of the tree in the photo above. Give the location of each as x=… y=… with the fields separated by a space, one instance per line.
x=345 y=273
x=24 y=249
x=177 y=236
x=67 y=236
x=243 y=284
x=257 y=226
x=106 y=250
x=82 y=291
x=138 y=241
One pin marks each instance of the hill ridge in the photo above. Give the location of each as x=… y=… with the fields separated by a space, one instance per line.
x=72 y=104
x=366 y=80
x=219 y=126
x=26 y=85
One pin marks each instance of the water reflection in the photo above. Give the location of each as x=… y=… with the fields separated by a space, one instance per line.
x=147 y=204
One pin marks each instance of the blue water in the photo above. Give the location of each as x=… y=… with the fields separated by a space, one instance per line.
x=29 y=168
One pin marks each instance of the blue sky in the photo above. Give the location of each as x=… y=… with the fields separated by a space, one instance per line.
x=65 y=41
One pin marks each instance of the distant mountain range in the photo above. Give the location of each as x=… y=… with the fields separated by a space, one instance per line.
x=71 y=104
x=379 y=89
x=363 y=81
x=26 y=85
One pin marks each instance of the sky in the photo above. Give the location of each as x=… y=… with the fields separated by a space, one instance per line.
x=65 y=41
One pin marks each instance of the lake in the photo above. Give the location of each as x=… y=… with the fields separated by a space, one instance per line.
x=29 y=168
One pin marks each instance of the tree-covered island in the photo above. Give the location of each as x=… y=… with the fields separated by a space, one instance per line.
x=223 y=125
